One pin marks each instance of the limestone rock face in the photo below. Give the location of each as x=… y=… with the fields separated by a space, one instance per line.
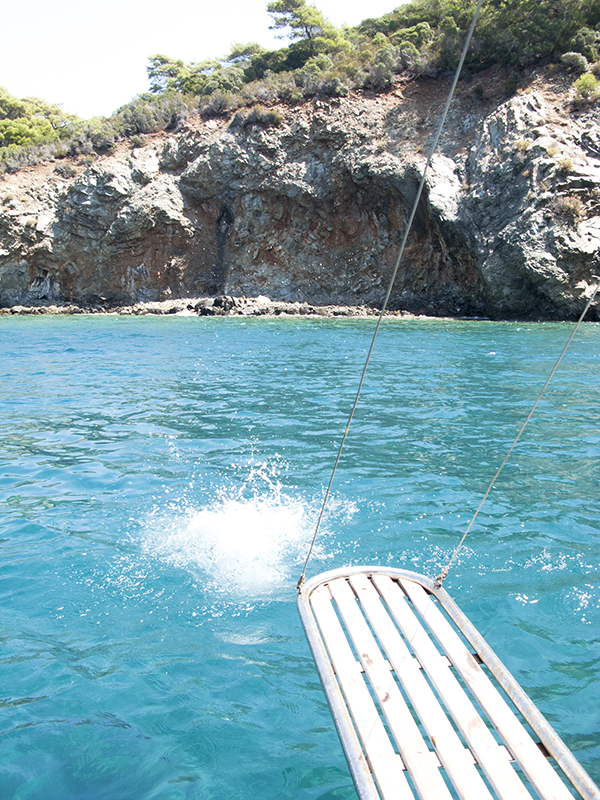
x=314 y=211
x=530 y=185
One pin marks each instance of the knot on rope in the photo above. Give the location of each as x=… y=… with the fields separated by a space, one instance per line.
x=443 y=575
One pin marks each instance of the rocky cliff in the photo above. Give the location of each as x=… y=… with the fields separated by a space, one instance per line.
x=313 y=210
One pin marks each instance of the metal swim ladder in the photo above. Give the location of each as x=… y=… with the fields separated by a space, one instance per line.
x=423 y=706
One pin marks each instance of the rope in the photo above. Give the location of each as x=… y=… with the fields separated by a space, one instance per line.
x=444 y=573
x=391 y=284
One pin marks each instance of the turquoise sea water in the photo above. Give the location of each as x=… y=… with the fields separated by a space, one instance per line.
x=159 y=481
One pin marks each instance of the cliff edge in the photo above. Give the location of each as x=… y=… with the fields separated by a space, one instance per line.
x=313 y=209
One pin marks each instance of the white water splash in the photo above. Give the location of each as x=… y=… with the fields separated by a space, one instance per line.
x=237 y=545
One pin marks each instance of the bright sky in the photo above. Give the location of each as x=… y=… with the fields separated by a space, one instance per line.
x=92 y=57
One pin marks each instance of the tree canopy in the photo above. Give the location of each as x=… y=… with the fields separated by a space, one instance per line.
x=31 y=121
x=304 y=21
x=422 y=37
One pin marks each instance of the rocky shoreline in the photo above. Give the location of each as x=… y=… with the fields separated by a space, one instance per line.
x=230 y=306
x=220 y=306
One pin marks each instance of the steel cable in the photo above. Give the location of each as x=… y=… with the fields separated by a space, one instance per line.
x=391 y=283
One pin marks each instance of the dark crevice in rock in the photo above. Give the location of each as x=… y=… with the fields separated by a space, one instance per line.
x=222 y=228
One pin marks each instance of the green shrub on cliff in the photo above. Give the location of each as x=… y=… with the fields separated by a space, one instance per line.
x=514 y=32
x=202 y=78
x=575 y=62
x=423 y=37
x=148 y=113
x=586 y=42
x=262 y=117
x=44 y=132
x=587 y=88
x=218 y=105
x=32 y=129
x=32 y=121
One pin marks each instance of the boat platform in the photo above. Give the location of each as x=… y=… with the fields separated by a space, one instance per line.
x=423 y=707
